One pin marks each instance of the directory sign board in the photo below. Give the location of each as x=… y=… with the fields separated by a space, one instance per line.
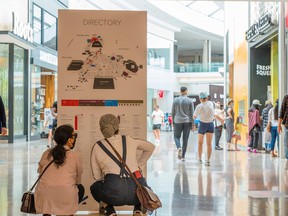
x=101 y=69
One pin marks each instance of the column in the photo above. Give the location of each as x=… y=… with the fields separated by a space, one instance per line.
x=206 y=58
x=281 y=66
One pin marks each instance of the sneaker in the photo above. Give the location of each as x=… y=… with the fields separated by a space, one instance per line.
x=218 y=148
x=107 y=211
x=183 y=158
x=179 y=153
x=249 y=149
x=255 y=151
x=200 y=161
x=207 y=163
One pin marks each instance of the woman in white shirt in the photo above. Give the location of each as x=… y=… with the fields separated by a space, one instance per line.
x=272 y=127
x=113 y=186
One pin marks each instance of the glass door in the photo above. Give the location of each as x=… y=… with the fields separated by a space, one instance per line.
x=18 y=117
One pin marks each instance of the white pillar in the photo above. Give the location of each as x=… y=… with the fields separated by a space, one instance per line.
x=206 y=58
x=281 y=66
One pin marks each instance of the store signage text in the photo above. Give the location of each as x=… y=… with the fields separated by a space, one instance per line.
x=102 y=22
x=21 y=29
x=263 y=70
x=47 y=57
x=259 y=27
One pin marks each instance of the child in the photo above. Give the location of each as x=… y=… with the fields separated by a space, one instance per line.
x=238 y=130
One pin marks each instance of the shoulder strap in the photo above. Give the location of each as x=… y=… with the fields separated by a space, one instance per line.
x=121 y=159
x=122 y=169
x=41 y=175
x=124 y=154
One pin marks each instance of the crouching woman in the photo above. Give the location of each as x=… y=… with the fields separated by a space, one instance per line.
x=113 y=186
x=59 y=190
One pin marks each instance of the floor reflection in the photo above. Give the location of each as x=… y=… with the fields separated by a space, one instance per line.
x=185 y=188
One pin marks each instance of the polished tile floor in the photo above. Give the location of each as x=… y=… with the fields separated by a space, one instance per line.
x=236 y=183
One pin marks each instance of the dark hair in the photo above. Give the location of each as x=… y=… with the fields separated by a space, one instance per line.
x=276 y=110
x=61 y=136
x=238 y=119
x=183 y=89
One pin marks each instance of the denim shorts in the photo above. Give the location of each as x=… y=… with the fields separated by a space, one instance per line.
x=156 y=126
x=205 y=127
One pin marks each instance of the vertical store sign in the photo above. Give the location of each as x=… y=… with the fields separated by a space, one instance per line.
x=101 y=69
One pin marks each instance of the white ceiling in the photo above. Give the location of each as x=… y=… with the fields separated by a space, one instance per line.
x=190 y=37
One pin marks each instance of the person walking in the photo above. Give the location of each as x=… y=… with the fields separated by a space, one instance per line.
x=59 y=190
x=283 y=120
x=218 y=122
x=205 y=111
x=264 y=117
x=49 y=122
x=182 y=116
x=229 y=122
x=254 y=125
x=3 y=129
x=113 y=186
x=272 y=127
x=158 y=120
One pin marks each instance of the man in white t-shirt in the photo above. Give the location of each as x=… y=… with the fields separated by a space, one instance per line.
x=158 y=120
x=205 y=112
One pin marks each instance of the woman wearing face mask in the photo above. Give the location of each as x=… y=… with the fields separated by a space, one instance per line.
x=59 y=190
x=229 y=112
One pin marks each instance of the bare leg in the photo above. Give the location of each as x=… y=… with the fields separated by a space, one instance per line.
x=155 y=134
x=49 y=138
x=158 y=133
x=200 y=145
x=209 y=144
x=236 y=140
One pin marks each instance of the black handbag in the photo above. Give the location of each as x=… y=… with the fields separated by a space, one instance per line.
x=28 y=200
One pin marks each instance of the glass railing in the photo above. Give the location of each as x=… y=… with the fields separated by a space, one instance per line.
x=199 y=67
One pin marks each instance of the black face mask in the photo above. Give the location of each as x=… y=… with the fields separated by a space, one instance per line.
x=75 y=138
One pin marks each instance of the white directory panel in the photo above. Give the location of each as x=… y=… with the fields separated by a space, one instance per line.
x=101 y=69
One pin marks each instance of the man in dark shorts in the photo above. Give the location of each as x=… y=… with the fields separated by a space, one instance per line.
x=205 y=112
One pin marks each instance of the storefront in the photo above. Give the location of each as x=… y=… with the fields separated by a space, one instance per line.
x=16 y=41
x=43 y=88
x=262 y=38
x=28 y=64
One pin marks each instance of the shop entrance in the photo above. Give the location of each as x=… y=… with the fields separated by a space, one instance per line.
x=42 y=98
x=264 y=70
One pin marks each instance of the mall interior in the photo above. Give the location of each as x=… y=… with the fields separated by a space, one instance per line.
x=227 y=49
